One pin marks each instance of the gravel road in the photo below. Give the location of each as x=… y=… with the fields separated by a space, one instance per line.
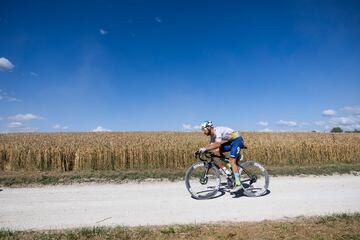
x=162 y=203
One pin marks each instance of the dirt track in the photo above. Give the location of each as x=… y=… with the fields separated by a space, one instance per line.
x=160 y=203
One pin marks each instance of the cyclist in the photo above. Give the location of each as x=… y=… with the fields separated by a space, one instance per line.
x=224 y=139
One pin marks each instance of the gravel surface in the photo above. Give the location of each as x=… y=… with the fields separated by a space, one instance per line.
x=163 y=203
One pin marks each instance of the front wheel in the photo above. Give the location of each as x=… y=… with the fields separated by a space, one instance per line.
x=254 y=178
x=202 y=180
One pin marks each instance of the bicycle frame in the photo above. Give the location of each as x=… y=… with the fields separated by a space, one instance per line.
x=208 y=170
x=210 y=158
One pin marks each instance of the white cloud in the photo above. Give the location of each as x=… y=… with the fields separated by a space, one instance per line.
x=4 y=96
x=25 y=117
x=287 y=123
x=348 y=123
x=11 y=99
x=266 y=130
x=189 y=127
x=329 y=112
x=15 y=125
x=103 y=31
x=352 y=110
x=327 y=127
x=186 y=126
x=58 y=126
x=263 y=123
x=34 y=74
x=320 y=123
x=101 y=129
x=158 y=19
x=5 y=64
x=20 y=127
x=197 y=127
x=342 y=121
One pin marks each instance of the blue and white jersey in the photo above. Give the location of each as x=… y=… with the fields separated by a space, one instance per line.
x=223 y=134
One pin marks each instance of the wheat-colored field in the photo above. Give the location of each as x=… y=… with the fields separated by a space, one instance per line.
x=171 y=150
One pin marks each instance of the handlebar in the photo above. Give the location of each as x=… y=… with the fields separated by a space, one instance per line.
x=207 y=155
x=211 y=156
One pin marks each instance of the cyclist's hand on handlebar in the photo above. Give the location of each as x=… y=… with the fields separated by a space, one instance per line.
x=202 y=150
x=196 y=153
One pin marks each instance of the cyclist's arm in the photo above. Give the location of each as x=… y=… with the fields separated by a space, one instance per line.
x=215 y=145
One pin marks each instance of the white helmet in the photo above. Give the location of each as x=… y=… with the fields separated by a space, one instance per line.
x=207 y=124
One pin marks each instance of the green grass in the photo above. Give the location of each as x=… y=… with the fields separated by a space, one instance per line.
x=15 y=179
x=21 y=178
x=339 y=226
x=326 y=169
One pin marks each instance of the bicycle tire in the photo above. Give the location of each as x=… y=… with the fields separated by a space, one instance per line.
x=247 y=171
x=195 y=183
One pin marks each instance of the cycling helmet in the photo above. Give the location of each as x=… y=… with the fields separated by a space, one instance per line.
x=207 y=124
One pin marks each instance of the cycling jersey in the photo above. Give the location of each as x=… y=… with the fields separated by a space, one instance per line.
x=223 y=134
x=234 y=142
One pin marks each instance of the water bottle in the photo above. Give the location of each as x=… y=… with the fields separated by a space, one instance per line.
x=227 y=171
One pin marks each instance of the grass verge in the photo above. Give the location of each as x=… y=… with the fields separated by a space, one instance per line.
x=339 y=226
x=18 y=179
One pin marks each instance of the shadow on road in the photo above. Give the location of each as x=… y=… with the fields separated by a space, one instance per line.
x=241 y=194
x=224 y=189
x=220 y=193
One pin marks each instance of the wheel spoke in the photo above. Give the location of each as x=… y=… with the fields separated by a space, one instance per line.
x=246 y=180
x=201 y=181
x=254 y=178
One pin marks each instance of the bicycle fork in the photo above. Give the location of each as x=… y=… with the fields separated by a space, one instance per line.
x=204 y=178
x=252 y=177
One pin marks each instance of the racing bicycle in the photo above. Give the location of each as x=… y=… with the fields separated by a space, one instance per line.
x=203 y=178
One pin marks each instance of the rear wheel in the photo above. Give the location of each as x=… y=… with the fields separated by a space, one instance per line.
x=202 y=180
x=254 y=178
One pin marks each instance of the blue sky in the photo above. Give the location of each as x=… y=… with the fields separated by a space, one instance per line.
x=168 y=65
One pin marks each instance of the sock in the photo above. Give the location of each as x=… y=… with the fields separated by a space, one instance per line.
x=237 y=179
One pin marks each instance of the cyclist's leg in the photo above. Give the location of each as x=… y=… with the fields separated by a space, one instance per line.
x=234 y=154
x=225 y=147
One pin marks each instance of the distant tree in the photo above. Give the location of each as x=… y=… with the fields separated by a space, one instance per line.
x=353 y=131
x=336 y=130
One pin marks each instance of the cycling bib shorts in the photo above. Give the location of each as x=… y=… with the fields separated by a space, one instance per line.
x=233 y=146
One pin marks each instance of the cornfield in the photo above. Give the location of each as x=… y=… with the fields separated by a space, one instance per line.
x=172 y=150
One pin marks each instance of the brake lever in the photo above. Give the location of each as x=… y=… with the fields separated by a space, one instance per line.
x=196 y=154
x=209 y=154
